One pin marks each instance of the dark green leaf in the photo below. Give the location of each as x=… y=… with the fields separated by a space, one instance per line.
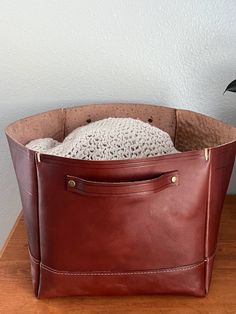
x=231 y=87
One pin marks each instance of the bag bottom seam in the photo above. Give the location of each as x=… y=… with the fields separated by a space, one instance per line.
x=129 y=273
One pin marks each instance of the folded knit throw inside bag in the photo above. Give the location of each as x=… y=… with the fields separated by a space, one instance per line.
x=109 y=139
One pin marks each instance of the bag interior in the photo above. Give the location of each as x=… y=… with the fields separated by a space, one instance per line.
x=188 y=130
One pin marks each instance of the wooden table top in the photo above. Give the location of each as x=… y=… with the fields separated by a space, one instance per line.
x=16 y=293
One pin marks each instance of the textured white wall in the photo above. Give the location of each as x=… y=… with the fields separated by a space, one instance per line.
x=54 y=53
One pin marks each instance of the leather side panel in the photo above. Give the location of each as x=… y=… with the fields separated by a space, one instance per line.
x=209 y=268
x=222 y=160
x=24 y=164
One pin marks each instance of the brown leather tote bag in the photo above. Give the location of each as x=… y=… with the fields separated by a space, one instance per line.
x=140 y=226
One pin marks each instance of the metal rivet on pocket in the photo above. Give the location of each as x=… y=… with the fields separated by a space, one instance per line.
x=173 y=179
x=71 y=183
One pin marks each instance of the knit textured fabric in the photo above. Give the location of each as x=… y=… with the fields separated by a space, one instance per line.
x=109 y=139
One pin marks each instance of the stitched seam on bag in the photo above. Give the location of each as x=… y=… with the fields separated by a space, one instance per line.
x=26 y=191
x=206 y=248
x=35 y=260
x=105 y=273
x=207 y=259
x=38 y=222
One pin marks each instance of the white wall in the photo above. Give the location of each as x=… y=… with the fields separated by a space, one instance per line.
x=54 y=53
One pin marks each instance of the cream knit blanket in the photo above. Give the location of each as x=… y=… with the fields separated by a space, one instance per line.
x=109 y=139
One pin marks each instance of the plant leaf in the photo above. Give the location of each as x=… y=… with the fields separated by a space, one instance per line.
x=231 y=87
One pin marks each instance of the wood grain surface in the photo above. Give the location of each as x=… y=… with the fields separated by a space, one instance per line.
x=16 y=293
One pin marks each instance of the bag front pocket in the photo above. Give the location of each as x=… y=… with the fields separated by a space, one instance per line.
x=130 y=225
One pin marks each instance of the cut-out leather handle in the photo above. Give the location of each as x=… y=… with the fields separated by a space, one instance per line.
x=82 y=186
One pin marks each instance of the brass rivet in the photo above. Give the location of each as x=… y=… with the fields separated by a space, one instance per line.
x=173 y=179
x=71 y=183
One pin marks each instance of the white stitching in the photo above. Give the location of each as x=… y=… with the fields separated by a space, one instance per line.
x=36 y=261
x=105 y=273
x=178 y=268
x=207 y=259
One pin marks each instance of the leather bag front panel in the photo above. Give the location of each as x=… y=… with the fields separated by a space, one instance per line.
x=129 y=231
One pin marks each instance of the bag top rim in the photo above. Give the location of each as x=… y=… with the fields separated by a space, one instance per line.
x=189 y=130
